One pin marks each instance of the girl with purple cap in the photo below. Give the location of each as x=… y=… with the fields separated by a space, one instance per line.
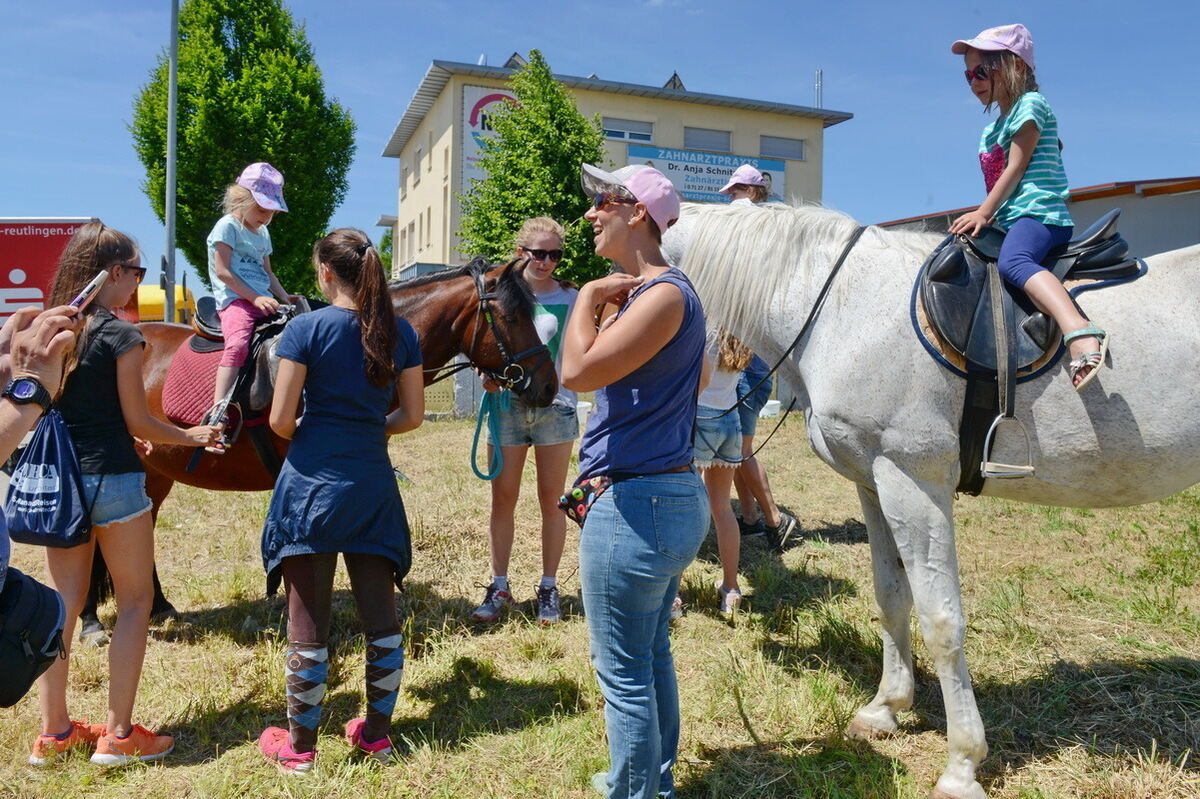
x=239 y=268
x=1021 y=157
x=648 y=511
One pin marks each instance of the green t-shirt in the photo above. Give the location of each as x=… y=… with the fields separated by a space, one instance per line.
x=1042 y=192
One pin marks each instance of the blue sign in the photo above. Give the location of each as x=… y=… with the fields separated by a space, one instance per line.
x=698 y=176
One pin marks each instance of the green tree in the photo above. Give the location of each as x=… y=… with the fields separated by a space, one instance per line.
x=249 y=90
x=532 y=165
x=384 y=249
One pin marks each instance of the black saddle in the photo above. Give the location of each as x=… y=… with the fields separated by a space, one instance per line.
x=953 y=286
x=255 y=384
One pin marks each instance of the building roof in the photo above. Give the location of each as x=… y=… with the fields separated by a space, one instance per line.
x=1145 y=188
x=440 y=72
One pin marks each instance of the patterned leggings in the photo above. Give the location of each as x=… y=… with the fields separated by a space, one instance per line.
x=309 y=583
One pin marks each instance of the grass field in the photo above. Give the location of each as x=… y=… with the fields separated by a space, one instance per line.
x=1083 y=642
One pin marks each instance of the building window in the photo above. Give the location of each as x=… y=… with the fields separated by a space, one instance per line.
x=411 y=254
x=779 y=147
x=417 y=166
x=429 y=168
x=403 y=181
x=429 y=226
x=628 y=129
x=446 y=162
x=705 y=139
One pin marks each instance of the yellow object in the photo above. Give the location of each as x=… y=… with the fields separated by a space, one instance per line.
x=151 y=300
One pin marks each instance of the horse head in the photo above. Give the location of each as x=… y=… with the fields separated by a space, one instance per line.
x=484 y=312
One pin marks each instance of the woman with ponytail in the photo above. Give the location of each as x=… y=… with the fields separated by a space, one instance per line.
x=351 y=362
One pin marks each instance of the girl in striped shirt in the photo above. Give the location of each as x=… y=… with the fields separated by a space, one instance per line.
x=1021 y=157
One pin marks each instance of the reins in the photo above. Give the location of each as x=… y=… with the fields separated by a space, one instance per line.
x=812 y=315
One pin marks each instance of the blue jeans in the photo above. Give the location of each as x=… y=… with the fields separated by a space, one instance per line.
x=1025 y=247
x=638 y=538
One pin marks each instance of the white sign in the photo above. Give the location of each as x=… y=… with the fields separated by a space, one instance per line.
x=698 y=176
x=479 y=102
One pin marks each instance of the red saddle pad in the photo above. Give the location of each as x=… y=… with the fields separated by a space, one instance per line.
x=188 y=390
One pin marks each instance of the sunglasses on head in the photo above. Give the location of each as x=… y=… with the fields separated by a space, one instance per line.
x=605 y=198
x=979 y=73
x=543 y=255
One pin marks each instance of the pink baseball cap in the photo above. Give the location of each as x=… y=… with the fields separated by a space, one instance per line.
x=645 y=183
x=265 y=182
x=1014 y=38
x=744 y=175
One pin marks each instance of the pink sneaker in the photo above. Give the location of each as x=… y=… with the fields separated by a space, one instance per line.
x=380 y=750
x=276 y=745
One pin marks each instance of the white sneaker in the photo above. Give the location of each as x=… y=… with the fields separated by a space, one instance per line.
x=548 y=609
x=731 y=598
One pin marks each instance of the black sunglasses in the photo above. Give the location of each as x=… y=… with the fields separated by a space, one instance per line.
x=979 y=73
x=605 y=198
x=544 y=255
x=141 y=270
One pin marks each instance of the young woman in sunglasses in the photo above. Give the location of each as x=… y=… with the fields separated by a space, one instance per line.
x=550 y=431
x=645 y=364
x=1021 y=157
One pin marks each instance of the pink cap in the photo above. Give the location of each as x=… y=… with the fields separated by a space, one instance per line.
x=744 y=175
x=647 y=185
x=265 y=182
x=1014 y=38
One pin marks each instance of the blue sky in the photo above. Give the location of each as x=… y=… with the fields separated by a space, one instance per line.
x=1123 y=78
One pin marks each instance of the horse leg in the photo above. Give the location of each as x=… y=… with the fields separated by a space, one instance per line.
x=895 y=602
x=157 y=488
x=919 y=514
x=91 y=631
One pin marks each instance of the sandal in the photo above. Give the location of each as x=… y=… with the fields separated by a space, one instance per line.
x=1089 y=360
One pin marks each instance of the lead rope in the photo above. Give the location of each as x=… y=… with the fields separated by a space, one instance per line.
x=489 y=404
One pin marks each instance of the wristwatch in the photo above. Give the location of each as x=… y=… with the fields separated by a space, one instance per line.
x=24 y=390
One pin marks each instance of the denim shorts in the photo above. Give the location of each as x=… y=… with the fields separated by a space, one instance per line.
x=121 y=497
x=521 y=425
x=748 y=410
x=718 y=439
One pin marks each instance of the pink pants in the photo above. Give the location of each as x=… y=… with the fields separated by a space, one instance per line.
x=237 y=326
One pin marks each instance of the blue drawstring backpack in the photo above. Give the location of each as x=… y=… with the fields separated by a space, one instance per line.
x=45 y=504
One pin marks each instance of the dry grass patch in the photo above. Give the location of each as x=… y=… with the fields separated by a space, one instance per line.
x=1083 y=642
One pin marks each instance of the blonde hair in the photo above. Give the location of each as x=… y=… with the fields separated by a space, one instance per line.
x=1011 y=76
x=237 y=201
x=732 y=354
x=537 y=226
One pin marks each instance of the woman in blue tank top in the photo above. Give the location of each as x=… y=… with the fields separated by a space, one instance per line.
x=644 y=365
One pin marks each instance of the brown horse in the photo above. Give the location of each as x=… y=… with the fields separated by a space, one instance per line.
x=480 y=311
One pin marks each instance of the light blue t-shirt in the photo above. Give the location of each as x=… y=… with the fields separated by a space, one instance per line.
x=248 y=261
x=1042 y=191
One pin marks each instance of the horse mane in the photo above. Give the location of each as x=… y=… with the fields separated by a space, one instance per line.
x=512 y=292
x=742 y=259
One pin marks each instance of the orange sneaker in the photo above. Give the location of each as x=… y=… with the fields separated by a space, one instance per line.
x=80 y=733
x=140 y=745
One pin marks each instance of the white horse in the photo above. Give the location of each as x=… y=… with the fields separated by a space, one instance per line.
x=883 y=414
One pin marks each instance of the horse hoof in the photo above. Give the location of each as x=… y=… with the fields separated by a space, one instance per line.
x=865 y=732
x=93 y=636
x=163 y=614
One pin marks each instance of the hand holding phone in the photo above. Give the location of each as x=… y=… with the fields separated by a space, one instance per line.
x=89 y=291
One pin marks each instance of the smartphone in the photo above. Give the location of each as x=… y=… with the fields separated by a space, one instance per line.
x=90 y=291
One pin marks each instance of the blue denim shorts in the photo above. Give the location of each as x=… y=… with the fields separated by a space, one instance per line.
x=718 y=439
x=115 y=497
x=748 y=411
x=521 y=425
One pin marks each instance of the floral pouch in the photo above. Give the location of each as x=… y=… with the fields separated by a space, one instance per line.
x=579 y=497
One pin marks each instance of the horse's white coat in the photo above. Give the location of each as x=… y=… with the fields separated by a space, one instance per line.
x=883 y=414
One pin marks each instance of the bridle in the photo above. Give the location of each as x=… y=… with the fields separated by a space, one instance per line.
x=512 y=375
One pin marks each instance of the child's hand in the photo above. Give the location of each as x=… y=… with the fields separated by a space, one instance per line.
x=970 y=223
x=266 y=304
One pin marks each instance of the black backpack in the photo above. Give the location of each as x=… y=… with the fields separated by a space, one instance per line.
x=31 y=624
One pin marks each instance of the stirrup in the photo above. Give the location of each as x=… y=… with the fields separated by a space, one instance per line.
x=220 y=413
x=990 y=468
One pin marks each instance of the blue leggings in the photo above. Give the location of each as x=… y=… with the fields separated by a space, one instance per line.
x=1026 y=246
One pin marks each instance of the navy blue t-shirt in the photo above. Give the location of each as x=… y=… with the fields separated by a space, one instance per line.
x=336 y=389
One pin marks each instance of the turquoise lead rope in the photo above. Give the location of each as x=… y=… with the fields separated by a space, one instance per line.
x=489 y=403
